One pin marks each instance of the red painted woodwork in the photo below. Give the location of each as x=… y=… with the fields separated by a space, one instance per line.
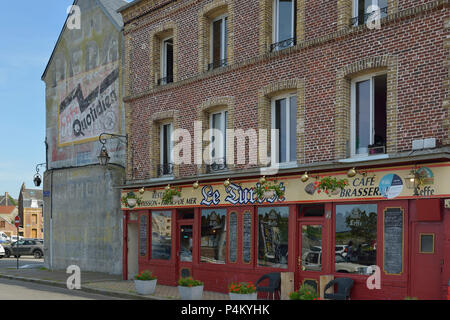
x=428 y=209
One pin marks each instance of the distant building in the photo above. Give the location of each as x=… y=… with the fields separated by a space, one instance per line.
x=31 y=213
x=8 y=208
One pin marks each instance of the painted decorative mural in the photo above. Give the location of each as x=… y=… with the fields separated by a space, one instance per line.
x=89 y=106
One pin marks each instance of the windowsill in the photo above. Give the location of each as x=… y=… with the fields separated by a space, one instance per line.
x=361 y=158
x=287 y=165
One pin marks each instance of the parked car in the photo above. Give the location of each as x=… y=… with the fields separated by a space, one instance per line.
x=2 y=251
x=26 y=247
x=14 y=238
x=4 y=237
x=341 y=249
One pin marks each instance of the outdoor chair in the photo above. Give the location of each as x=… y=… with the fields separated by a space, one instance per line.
x=274 y=285
x=344 y=286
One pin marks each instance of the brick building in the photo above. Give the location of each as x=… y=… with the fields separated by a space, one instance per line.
x=30 y=206
x=366 y=104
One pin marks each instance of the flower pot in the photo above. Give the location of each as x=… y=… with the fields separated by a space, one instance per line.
x=268 y=194
x=176 y=198
x=145 y=286
x=131 y=202
x=191 y=293
x=336 y=191
x=247 y=296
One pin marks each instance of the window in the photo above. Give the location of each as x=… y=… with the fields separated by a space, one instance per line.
x=362 y=9
x=284 y=24
x=273 y=227
x=2 y=224
x=311 y=247
x=34 y=233
x=284 y=119
x=161 y=235
x=368 y=115
x=426 y=243
x=356 y=238
x=166 y=167
x=218 y=124
x=219 y=41
x=312 y=210
x=34 y=219
x=166 y=62
x=213 y=236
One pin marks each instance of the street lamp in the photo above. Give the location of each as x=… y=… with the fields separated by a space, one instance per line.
x=104 y=157
x=37 y=179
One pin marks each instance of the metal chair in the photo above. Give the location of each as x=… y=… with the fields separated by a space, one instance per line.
x=274 y=284
x=344 y=286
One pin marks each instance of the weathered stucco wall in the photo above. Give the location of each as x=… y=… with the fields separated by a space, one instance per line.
x=84 y=92
x=85 y=217
x=82 y=216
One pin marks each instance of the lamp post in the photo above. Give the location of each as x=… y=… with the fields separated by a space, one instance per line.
x=37 y=179
x=104 y=157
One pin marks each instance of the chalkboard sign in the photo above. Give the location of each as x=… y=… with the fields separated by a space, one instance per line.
x=247 y=242
x=232 y=245
x=143 y=235
x=393 y=240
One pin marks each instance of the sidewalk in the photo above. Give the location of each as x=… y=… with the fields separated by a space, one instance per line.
x=101 y=283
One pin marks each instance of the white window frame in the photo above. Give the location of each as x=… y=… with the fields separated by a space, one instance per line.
x=161 y=143
x=370 y=77
x=164 y=56
x=223 y=38
x=274 y=154
x=356 y=8
x=275 y=29
x=223 y=127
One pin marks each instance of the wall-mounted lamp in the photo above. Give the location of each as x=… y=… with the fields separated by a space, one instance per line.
x=104 y=157
x=195 y=185
x=37 y=179
x=305 y=177
x=414 y=181
x=227 y=183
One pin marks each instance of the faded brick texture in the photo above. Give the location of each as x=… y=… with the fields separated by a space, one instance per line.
x=411 y=47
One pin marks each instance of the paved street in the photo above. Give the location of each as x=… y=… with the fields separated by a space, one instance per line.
x=21 y=290
x=23 y=261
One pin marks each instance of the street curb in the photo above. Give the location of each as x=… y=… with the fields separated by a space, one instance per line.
x=84 y=289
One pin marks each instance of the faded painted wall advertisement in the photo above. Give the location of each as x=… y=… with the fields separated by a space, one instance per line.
x=89 y=106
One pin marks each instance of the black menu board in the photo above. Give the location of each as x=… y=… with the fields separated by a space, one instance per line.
x=393 y=240
x=247 y=242
x=143 y=235
x=232 y=245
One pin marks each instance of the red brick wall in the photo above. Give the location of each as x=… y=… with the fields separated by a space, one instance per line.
x=416 y=41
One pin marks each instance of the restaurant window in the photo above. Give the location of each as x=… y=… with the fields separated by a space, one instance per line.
x=356 y=238
x=213 y=236
x=368 y=115
x=284 y=119
x=218 y=124
x=363 y=9
x=219 y=34
x=161 y=235
x=284 y=24
x=166 y=156
x=273 y=227
x=166 y=62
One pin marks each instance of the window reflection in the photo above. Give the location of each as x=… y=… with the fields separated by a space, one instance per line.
x=356 y=238
x=312 y=247
x=214 y=236
x=273 y=237
x=186 y=243
x=161 y=234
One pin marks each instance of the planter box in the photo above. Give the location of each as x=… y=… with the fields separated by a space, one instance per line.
x=191 y=293
x=145 y=286
x=248 y=296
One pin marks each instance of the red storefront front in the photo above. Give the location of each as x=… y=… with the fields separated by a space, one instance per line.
x=222 y=234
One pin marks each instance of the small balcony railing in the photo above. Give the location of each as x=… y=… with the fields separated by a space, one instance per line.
x=280 y=45
x=362 y=19
x=165 y=80
x=217 y=64
x=165 y=169
x=218 y=164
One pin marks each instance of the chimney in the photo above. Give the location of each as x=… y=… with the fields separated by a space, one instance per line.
x=6 y=198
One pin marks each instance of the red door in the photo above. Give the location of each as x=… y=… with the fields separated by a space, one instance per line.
x=426 y=266
x=185 y=231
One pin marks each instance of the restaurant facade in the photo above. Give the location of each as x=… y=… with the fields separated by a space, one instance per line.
x=354 y=121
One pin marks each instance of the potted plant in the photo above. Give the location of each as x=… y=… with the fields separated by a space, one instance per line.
x=330 y=185
x=242 y=291
x=131 y=200
x=306 y=292
x=190 y=289
x=171 y=195
x=145 y=282
x=268 y=190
